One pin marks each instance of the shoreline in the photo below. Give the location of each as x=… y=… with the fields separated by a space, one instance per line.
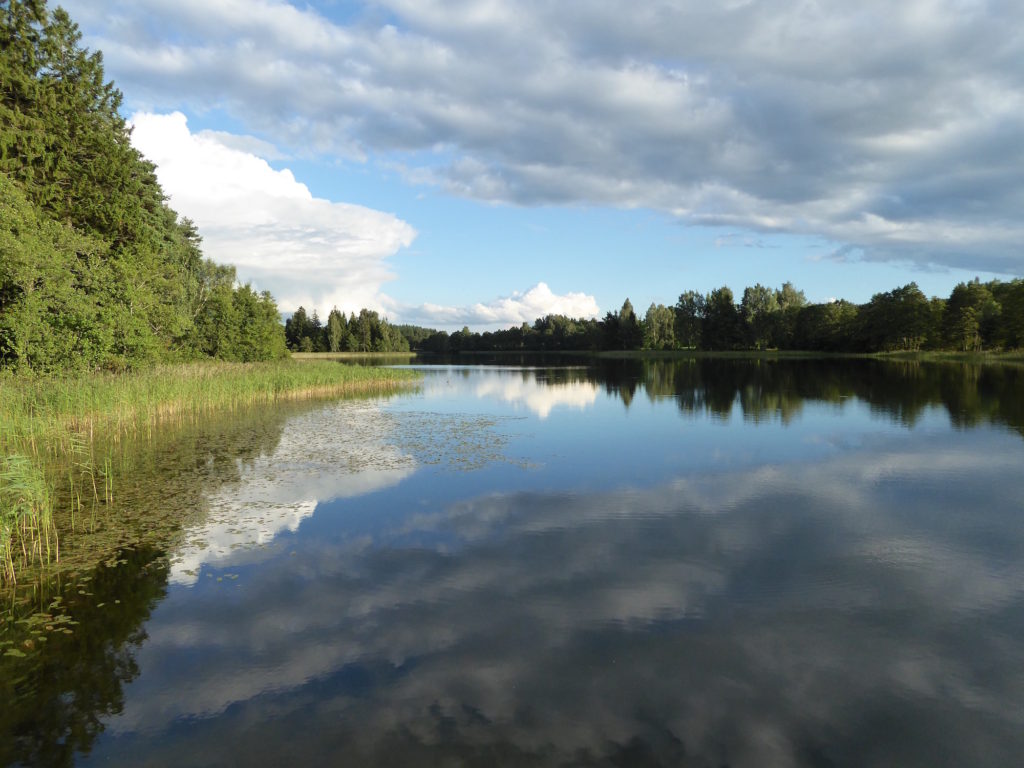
x=52 y=427
x=925 y=356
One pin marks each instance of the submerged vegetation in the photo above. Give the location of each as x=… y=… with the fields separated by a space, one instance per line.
x=53 y=429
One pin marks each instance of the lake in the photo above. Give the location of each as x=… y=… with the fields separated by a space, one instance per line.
x=624 y=563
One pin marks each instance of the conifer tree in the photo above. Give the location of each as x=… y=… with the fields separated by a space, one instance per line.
x=97 y=271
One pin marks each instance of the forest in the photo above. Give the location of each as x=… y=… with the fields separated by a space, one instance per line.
x=96 y=271
x=365 y=332
x=976 y=316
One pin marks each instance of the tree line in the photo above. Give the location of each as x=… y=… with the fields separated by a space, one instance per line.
x=365 y=332
x=96 y=271
x=976 y=316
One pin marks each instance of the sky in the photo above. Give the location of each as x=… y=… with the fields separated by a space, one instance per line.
x=487 y=162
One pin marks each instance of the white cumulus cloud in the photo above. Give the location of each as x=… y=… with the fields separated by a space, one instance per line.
x=305 y=250
x=504 y=312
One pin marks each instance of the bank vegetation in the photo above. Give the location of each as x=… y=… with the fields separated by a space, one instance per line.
x=57 y=431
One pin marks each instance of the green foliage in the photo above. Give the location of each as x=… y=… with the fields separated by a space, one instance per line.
x=976 y=316
x=298 y=327
x=365 y=332
x=415 y=335
x=825 y=327
x=789 y=298
x=51 y=281
x=659 y=327
x=240 y=325
x=337 y=333
x=26 y=515
x=971 y=317
x=900 y=319
x=759 y=310
x=630 y=333
x=689 y=311
x=791 y=302
x=722 y=327
x=53 y=417
x=1013 y=315
x=96 y=271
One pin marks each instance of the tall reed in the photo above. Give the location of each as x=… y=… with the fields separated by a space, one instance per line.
x=26 y=515
x=50 y=427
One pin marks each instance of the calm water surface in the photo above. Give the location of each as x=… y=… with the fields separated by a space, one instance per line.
x=704 y=563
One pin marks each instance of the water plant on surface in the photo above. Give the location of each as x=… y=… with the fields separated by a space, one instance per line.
x=52 y=428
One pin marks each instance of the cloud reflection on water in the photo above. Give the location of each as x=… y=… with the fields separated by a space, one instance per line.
x=853 y=611
x=537 y=391
x=539 y=397
x=336 y=452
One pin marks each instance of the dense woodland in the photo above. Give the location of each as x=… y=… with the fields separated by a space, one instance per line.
x=976 y=316
x=365 y=332
x=96 y=271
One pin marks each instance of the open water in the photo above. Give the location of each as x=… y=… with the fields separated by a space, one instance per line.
x=662 y=563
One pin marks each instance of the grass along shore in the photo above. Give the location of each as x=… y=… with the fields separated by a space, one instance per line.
x=50 y=426
x=356 y=357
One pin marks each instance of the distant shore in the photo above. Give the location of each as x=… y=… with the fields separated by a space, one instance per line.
x=353 y=356
x=984 y=357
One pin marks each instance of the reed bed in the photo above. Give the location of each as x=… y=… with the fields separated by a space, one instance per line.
x=50 y=428
x=378 y=357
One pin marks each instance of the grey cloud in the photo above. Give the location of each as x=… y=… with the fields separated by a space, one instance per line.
x=890 y=129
